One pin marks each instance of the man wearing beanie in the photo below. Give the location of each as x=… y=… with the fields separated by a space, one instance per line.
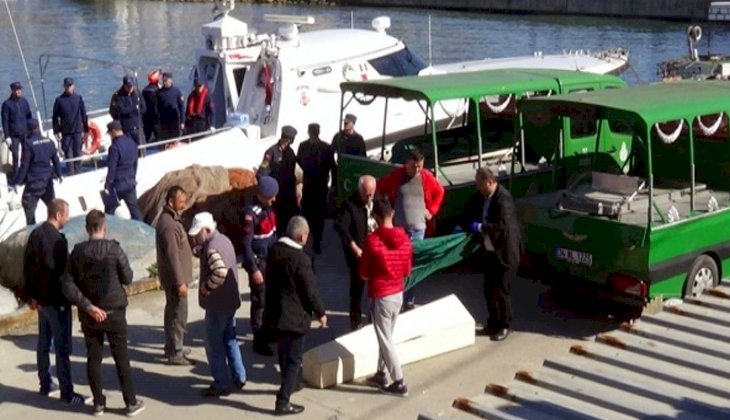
x=259 y=235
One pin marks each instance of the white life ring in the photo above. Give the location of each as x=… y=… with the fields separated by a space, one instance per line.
x=694 y=32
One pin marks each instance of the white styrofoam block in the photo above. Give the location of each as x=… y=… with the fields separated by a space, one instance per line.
x=426 y=331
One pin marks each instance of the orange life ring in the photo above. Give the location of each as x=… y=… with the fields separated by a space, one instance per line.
x=92 y=139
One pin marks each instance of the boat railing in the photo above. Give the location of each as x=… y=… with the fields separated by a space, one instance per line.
x=96 y=158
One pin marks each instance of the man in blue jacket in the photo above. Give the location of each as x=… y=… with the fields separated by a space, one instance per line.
x=121 y=178
x=70 y=121
x=36 y=172
x=170 y=109
x=127 y=107
x=15 y=116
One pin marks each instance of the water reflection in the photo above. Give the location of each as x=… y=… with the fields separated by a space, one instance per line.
x=151 y=34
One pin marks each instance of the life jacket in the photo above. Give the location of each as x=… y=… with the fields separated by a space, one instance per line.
x=196 y=103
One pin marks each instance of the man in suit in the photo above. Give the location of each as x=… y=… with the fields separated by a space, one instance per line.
x=491 y=213
x=355 y=221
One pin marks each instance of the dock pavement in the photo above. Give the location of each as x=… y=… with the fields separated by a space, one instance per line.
x=546 y=324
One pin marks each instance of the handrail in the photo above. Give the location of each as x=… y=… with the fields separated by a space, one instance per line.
x=187 y=137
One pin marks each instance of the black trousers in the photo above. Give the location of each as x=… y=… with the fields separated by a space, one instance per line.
x=285 y=207
x=169 y=132
x=290 y=346
x=258 y=302
x=314 y=209
x=497 y=285
x=356 y=289
x=115 y=329
x=176 y=320
x=31 y=195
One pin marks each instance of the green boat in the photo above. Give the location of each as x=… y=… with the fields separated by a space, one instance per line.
x=485 y=128
x=658 y=225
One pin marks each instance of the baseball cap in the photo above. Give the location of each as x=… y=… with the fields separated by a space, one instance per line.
x=202 y=221
x=68 y=81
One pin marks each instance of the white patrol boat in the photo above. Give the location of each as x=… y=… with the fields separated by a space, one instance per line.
x=266 y=81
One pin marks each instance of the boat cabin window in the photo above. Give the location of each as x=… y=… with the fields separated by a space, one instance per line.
x=619 y=127
x=238 y=75
x=399 y=63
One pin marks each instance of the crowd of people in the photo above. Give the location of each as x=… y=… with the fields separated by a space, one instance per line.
x=280 y=239
x=159 y=113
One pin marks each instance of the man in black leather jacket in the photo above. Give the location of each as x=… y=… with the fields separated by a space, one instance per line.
x=97 y=270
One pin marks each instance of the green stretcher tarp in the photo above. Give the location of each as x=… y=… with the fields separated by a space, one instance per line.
x=434 y=254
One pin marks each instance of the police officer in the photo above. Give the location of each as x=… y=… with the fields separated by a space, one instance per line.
x=199 y=111
x=121 y=178
x=259 y=235
x=127 y=107
x=280 y=163
x=317 y=160
x=35 y=170
x=149 y=117
x=170 y=109
x=348 y=141
x=70 y=121
x=15 y=116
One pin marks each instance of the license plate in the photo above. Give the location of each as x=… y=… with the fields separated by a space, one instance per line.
x=574 y=257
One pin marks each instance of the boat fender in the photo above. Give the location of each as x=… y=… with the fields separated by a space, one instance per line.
x=92 y=139
x=266 y=81
x=5 y=156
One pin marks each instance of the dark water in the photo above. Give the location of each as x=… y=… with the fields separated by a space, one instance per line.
x=150 y=34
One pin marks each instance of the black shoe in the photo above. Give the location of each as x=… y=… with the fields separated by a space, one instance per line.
x=355 y=325
x=76 y=399
x=214 y=392
x=239 y=385
x=134 y=409
x=500 y=335
x=407 y=307
x=378 y=380
x=397 y=388
x=51 y=390
x=288 y=409
x=179 y=361
x=263 y=349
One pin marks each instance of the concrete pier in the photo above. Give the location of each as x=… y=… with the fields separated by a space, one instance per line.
x=685 y=10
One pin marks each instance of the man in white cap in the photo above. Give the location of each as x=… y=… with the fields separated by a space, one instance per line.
x=218 y=295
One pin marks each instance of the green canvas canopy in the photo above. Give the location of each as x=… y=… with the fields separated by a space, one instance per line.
x=434 y=254
x=472 y=84
x=655 y=103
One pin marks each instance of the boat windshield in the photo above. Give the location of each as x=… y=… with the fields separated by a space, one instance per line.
x=399 y=63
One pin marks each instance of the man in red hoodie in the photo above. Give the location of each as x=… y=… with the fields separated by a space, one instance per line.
x=416 y=195
x=386 y=261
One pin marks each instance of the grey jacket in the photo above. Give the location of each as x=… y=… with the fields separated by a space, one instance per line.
x=219 y=275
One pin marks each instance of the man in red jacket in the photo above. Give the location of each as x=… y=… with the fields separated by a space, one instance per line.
x=386 y=261
x=416 y=195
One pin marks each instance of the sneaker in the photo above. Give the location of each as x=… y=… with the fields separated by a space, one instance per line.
x=378 y=380
x=77 y=399
x=98 y=410
x=51 y=390
x=397 y=388
x=179 y=361
x=214 y=392
x=134 y=409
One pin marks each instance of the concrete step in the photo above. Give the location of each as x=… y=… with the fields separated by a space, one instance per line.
x=680 y=338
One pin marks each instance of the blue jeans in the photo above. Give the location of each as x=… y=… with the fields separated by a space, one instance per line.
x=221 y=349
x=54 y=327
x=409 y=298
